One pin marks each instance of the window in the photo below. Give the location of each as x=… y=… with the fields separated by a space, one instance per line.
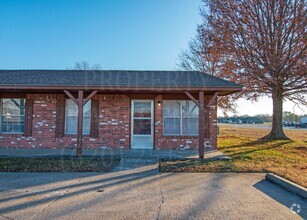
x=12 y=115
x=71 y=117
x=180 y=118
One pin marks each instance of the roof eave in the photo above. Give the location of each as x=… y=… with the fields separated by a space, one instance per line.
x=230 y=89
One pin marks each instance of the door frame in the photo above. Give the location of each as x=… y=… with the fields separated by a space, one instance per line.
x=152 y=101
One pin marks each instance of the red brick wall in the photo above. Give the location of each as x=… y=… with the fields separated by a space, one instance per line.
x=114 y=116
x=183 y=142
x=114 y=126
x=114 y=121
x=43 y=126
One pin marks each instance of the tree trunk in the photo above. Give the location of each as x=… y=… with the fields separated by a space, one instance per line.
x=277 y=132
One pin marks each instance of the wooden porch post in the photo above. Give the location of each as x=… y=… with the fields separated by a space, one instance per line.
x=80 y=123
x=201 y=135
x=80 y=102
x=202 y=120
x=201 y=132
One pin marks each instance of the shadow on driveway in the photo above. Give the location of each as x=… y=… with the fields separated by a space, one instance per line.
x=281 y=195
x=49 y=187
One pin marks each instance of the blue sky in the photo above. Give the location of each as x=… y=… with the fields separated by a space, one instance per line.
x=118 y=34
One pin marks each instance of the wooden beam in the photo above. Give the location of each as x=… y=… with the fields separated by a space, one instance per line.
x=141 y=96
x=71 y=96
x=201 y=135
x=12 y=95
x=80 y=123
x=192 y=98
x=16 y=103
x=212 y=99
x=89 y=97
x=80 y=102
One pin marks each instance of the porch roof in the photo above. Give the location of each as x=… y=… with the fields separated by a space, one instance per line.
x=114 y=80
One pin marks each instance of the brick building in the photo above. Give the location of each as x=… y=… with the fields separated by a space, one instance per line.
x=110 y=109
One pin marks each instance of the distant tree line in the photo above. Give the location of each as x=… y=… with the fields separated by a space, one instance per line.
x=287 y=116
x=291 y=117
x=241 y=120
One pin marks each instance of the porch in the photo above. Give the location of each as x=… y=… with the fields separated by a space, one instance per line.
x=93 y=109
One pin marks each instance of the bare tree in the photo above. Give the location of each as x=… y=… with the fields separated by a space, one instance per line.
x=203 y=54
x=192 y=58
x=266 y=43
x=84 y=65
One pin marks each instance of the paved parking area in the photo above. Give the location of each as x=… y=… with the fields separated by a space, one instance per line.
x=144 y=193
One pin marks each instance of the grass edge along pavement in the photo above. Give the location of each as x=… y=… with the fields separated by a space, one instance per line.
x=289 y=185
x=285 y=158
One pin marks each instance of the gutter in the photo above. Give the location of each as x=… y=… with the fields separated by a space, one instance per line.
x=118 y=88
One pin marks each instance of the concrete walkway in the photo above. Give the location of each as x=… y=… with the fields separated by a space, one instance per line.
x=144 y=193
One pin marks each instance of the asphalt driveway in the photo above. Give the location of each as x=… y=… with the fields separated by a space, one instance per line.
x=144 y=193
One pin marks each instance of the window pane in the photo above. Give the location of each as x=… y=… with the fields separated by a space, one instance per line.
x=86 y=125
x=71 y=124
x=176 y=112
x=71 y=108
x=142 y=109
x=12 y=113
x=189 y=109
x=13 y=107
x=190 y=126
x=171 y=109
x=87 y=109
x=142 y=126
x=71 y=117
x=13 y=124
x=171 y=126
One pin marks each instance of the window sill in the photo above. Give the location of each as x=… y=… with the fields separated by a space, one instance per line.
x=180 y=135
x=75 y=135
x=8 y=133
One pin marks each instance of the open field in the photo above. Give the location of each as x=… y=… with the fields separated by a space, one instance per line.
x=248 y=154
x=267 y=125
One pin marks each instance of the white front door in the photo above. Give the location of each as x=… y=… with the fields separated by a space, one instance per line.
x=142 y=124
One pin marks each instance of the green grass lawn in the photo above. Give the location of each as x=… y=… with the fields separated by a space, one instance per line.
x=58 y=164
x=248 y=154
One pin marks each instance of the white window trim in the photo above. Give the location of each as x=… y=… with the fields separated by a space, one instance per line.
x=181 y=121
x=84 y=116
x=6 y=132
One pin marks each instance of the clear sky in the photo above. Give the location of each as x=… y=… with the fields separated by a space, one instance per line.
x=118 y=34
x=265 y=106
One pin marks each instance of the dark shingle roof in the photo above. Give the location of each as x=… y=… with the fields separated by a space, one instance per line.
x=114 y=78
